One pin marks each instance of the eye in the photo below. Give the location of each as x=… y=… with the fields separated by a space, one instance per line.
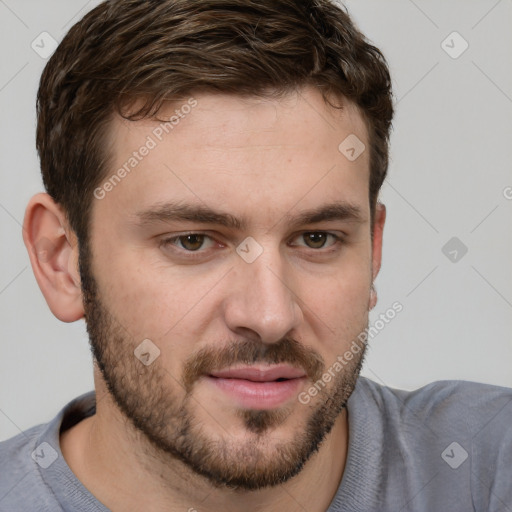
x=317 y=239
x=191 y=242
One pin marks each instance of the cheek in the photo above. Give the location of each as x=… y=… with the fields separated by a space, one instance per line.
x=339 y=306
x=346 y=285
x=344 y=301
x=168 y=305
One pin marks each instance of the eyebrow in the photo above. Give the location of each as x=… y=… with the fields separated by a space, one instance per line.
x=169 y=212
x=332 y=211
x=172 y=212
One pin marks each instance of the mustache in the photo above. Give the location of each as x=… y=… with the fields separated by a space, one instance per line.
x=287 y=350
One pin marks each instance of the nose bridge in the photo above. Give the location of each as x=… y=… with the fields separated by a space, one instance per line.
x=264 y=301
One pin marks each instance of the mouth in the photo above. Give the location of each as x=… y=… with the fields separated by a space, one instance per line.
x=260 y=373
x=258 y=387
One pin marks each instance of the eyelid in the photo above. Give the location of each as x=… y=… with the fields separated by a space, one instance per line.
x=170 y=241
x=338 y=237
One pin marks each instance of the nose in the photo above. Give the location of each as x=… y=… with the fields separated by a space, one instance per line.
x=261 y=303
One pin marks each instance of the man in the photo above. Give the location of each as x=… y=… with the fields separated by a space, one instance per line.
x=212 y=172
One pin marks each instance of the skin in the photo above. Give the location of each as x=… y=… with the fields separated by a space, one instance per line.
x=265 y=162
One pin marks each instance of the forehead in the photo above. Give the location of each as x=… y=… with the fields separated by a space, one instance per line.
x=239 y=152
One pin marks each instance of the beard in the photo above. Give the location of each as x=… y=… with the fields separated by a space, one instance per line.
x=152 y=400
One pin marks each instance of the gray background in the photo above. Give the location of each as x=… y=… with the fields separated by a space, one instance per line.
x=450 y=169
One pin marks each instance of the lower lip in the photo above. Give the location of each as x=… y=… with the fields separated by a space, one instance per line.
x=258 y=395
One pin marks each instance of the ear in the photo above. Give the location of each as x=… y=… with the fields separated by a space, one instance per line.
x=378 y=230
x=53 y=250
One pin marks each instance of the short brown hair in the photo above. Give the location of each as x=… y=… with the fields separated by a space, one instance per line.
x=126 y=50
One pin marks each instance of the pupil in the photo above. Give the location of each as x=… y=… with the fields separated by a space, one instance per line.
x=315 y=240
x=192 y=242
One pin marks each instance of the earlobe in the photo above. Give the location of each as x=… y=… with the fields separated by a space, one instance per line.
x=53 y=250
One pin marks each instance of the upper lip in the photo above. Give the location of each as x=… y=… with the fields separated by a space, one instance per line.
x=260 y=373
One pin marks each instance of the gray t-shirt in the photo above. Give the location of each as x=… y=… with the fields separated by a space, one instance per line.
x=444 y=447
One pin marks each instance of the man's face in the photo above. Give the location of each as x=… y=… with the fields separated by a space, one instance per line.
x=240 y=238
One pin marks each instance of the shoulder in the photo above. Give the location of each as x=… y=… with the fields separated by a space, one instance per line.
x=457 y=430
x=33 y=473
x=12 y=449
x=477 y=416
x=469 y=404
x=447 y=444
x=19 y=479
x=16 y=451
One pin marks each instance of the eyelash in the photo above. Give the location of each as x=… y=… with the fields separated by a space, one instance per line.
x=174 y=240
